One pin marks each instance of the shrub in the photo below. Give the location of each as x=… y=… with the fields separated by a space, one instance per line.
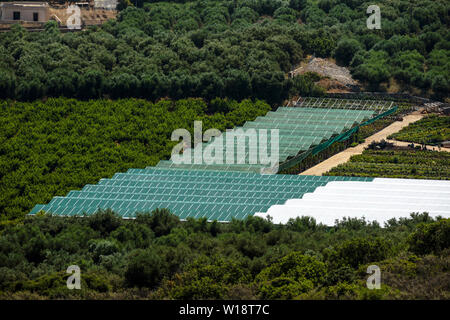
x=206 y=279
x=161 y=221
x=340 y=274
x=284 y=288
x=104 y=221
x=291 y=276
x=102 y=248
x=431 y=238
x=202 y=288
x=145 y=268
x=35 y=248
x=359 y=251
x=346 y=49
x=302 y=224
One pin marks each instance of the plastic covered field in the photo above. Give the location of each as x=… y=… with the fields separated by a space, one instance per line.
x=377 y=200
x=216 y=195
x=221 y=191
x=300 y=128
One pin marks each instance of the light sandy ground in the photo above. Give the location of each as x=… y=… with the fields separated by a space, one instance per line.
x=326 y=68
x=405 y=144
x=88 y=16
x=345 y=155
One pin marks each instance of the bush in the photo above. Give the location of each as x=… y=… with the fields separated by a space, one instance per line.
x=104 y=221
x=340 y=274
x=102 y=248
x=302 y=224
x=145 y=268
x=207 y=279
x=35 y=248
x=284 y=288
x=431 y=238
x=360 y=251
x=161 y=221
x=202 y=288
x=191 y=263
x=297 y=267
x=345 y=50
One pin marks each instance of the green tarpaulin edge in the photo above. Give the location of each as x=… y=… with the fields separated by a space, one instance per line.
x=324 y=145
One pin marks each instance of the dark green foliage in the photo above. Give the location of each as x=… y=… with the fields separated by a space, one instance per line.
x=251 y=224
x=291 y=276
x=7 y=85
x=135 y=236
x=431 y=238
x=102 y=248
x=409 y=67
x=360 y=251
x=298 y=267
x=304 y=85
x=35 y=248
x=195 y=49
x=161 y=221
x=302 y=224
x=371 y=67
x=207 y=279
x=284 y=288
x=346 y=49
x=104 y=222
x=197 y=259
x=145 y=268
x=228 y=48
x=340 y=274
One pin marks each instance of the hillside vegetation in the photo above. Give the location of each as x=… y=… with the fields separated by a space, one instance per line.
x=158 y=257
x=230 y=48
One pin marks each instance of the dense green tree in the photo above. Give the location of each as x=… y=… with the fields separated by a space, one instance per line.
x=374 y=69
x=192 y=262
x=346 y=49
x=360 y=251
x=7 y=85
x=145 y=268
x=237 y=84
x=171 y=49
x=431 y=238
x=105 y=222
x=161 y=221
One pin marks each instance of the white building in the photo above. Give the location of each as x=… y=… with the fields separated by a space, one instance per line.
x=24 y=11
x=105 y=4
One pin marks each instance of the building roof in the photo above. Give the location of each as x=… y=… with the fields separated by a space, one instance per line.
x=24 y=4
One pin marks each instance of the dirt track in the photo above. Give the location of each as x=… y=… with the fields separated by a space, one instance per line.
x=345 y=155
x=405 y=144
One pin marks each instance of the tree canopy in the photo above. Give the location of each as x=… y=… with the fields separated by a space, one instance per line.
x=236 y=49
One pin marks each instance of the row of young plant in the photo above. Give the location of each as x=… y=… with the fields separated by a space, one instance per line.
x=431 y=130
x=417 y=164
